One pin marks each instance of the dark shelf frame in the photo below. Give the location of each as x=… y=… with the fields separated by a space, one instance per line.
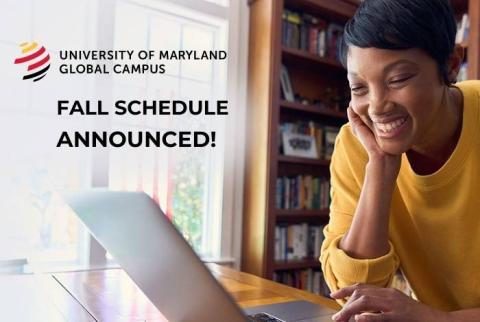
x=298 y=54
x=299 y=160
x=302 y=212
x=323 y=111
x=297 y=264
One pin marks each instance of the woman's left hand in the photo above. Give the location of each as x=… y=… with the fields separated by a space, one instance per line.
x=368 y=303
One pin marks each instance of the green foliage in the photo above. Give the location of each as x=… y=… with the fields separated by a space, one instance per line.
x=188 y=196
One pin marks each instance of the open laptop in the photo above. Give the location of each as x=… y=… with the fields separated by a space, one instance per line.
x=131 y=227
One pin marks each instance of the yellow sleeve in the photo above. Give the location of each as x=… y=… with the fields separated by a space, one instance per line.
x=347 y=170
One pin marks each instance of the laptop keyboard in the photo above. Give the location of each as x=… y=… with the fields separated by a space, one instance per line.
x=263 y=317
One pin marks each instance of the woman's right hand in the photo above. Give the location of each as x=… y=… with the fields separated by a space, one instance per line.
x=388 y=164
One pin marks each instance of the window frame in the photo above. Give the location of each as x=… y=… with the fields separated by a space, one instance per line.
x=236 y=17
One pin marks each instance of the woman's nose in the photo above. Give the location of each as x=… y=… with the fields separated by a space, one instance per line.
x=377 y=101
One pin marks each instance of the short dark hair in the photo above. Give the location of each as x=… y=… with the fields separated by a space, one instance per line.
x=403 y=24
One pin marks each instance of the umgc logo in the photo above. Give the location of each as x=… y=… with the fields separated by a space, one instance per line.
x=38 y=60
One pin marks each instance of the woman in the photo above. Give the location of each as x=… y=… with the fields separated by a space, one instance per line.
x=405 y=172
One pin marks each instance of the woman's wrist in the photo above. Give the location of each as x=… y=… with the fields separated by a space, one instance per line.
x=385 y=169
x=437 y=316
x=368 y=234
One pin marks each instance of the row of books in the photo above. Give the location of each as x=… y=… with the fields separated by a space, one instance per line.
x=310 y=33
x=323 y=136
x=297 y=242
x=302 y=192
x=309 y=280
x=317 y=36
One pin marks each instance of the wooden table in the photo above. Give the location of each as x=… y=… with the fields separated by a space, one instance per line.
x=110 y=296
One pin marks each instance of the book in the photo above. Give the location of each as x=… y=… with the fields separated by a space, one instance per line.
x=322 y=39
x=310 y=280
x=278 y=250
x=286 y=84
x=463 y=28
x=310 y=128
x=298 y=242
x=293 y=22
x=302 y=192
x=334 y=34
x=311 y=34
x=329 y=140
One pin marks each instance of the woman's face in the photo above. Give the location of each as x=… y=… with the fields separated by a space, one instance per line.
x=397 y=93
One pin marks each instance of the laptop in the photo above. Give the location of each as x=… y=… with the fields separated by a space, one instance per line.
x=131 y=227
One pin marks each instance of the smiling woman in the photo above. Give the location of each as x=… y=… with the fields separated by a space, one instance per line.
x=405 y=90
x=401 y=173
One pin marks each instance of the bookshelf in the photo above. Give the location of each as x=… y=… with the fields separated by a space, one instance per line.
x=309 y=74
x=268 y=110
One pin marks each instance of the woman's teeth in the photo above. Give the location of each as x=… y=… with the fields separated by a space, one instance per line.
x=387 y=127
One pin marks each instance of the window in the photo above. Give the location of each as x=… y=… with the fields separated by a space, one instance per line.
x=34 y=222
x=196 y=188
x=186 y=183
x=220 y=2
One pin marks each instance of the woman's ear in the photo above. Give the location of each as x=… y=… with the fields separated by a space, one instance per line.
x=455 y=62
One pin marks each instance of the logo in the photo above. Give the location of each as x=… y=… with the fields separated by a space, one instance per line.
x=37 y=58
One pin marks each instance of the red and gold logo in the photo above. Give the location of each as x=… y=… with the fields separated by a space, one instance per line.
x=38 y=59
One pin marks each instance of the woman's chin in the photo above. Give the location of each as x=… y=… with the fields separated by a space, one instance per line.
x=394 y=148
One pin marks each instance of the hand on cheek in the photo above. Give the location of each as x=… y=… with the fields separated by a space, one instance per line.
x=363 y=132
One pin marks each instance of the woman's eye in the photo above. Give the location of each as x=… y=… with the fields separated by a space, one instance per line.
x=360 y=90
x=400 y=80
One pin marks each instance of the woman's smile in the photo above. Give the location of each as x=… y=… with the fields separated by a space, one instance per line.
x=391 y=129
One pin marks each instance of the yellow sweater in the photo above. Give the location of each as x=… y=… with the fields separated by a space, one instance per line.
x=434 y=220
